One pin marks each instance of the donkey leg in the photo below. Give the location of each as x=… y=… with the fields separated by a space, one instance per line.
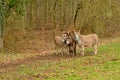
x=74 y=51
x=62 y=51
x=56 y=48
x=95 y=49
x=82 y=50
x=70 y=51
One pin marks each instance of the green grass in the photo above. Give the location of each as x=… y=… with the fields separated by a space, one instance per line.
x=103 y=66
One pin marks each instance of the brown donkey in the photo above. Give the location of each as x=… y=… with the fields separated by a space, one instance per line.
x=72 y=43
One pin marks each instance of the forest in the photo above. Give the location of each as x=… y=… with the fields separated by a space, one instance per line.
x=27 y=22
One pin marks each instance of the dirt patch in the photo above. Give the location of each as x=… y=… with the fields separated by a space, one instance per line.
x=48 y=55
x=45 y=55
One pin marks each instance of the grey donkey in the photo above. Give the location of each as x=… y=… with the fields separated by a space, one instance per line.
x=85 y=41
x=61 y=42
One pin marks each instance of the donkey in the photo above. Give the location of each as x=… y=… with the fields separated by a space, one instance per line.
x=72 y=46
x=86 y=41
x=61 y=42
x=72 y=43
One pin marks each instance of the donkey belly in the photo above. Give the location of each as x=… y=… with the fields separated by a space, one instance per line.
x=88 y=44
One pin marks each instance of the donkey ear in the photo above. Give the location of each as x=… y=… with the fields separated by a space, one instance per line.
x=74 y=31
x=79 y=31
x=68 y=33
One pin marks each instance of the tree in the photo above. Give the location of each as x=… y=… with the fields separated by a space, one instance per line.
x=7 y=8
x=2 y=20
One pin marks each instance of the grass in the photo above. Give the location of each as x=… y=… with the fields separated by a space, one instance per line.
x=103 y=66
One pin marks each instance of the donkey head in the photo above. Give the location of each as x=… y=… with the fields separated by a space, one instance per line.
x=65 y=36
x=77 y=36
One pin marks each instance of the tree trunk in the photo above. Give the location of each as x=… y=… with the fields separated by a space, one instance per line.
x=2 y=19
x=76 y=14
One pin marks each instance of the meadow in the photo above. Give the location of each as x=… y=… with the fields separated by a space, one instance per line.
x=103 y=66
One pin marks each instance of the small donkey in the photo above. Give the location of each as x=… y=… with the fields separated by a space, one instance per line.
x=86 y=41
x=61 y=42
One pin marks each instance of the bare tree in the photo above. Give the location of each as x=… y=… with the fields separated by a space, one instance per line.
x=2 y=21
